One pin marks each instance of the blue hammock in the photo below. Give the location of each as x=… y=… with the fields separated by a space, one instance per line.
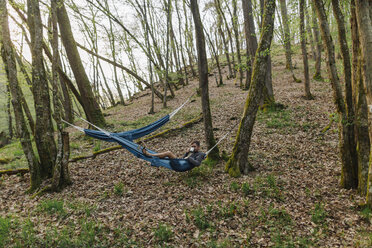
x=131 y=134
x=179 y=165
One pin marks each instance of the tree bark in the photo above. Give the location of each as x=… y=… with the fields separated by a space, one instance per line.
x=238 y=162
x=308 y=95
x=61 y=175
x=349 y=167
x=364 y=17
x=9 y=113
x=203 y=80
x=360 y=106
x=44 y=131
x=90 y=105
x=8 y=57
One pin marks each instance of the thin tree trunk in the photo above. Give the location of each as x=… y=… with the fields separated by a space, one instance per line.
x=318 y=44
x=287 y=39
x=235 y=21
x=9 y=113
x=238 y=162
x=61 y=175
x=203 y=80
x=8 y=57
x=250 y=38
x=166 y=79
x=308 y=95
x=216 y=57
x=349 y=167
x=308 y=30
x=222 y=34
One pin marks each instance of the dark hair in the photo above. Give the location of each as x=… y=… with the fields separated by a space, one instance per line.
x=196 y=142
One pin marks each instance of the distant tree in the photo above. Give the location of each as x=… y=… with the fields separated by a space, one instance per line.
x=287 y=38
x=308 y=95
x=203 y=80
x=238 y=162
x=318 y=46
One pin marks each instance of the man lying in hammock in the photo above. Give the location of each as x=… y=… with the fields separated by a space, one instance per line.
x=193 y=155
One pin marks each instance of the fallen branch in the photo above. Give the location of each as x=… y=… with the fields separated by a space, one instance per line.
x=14 y=172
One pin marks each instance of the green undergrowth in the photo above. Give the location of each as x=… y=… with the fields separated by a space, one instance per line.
x=12 y=156
x=276 y=118
x=73 y=224
x=200 y=174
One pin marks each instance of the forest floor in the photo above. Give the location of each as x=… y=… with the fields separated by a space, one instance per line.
x=292 y=199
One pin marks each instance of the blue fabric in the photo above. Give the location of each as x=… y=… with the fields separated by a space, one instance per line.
x=132 y=134
x=179 y=165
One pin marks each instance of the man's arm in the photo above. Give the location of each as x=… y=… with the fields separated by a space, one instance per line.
x=187 y=153
x=197 y=160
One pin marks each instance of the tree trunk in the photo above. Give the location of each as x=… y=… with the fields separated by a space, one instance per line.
x=308 y=30
x=8 y=57
x=238 y=162
x=203 y=80
x=364 y=10
x=344 y=49
x=318 y=44
x=308 y=95
x=360 y=105
x=61 y=175
x=90 y=105
x=44 y=131
x=349 y=167
x=250 y=38
x=268 y=94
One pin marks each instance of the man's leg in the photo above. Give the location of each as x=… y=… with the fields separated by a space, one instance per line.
x=168 y=154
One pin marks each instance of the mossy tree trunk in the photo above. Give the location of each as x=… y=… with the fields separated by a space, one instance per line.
x=61 y=175
x=44 y=131
x=8 y=57
x=364 y=17
x=250 y=38
x=203 y=80
x=308 y=95
x=89 y=103
x=360 y=106
x=238 y=162
x=349 y=167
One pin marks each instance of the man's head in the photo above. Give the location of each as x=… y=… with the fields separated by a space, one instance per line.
x=196 y=145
